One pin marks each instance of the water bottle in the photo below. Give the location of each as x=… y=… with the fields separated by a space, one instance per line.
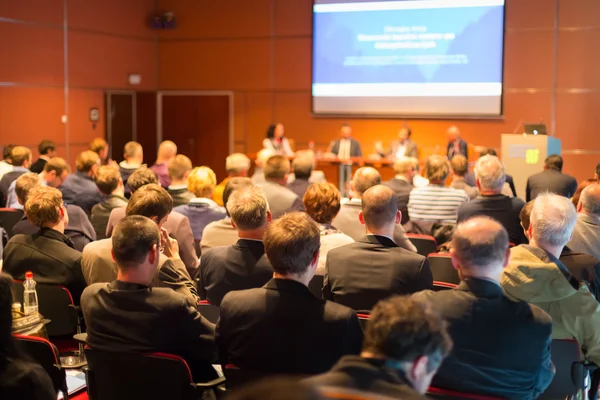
x=30 y=299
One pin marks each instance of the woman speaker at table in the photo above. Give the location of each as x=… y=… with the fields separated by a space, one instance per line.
x=275 y=140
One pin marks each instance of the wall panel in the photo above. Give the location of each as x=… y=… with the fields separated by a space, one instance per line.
x=37 y=11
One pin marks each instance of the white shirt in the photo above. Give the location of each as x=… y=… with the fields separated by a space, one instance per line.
x=401 y=150
x=344 y=150
x=5 y=168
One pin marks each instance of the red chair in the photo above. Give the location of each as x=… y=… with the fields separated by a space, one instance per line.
x=446 y=394
x=8 y=219
x=363 y=318
x=209 y=311
x=444 y=274
x=425 y=244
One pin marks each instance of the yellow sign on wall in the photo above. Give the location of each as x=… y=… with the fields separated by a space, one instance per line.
x=532 y=156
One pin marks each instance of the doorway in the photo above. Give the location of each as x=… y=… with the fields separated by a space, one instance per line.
x=121 y=121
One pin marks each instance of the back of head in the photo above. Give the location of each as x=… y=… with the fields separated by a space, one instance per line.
x=202 y=181
x=150 y=201
x=237 y=164
x=554 y=162
x=488 y=151
x=86 y=160
x=46 y=146
x=403 y=165
x=437 y=168
x=525 y=214
x=248 y=208
x=489 y=171
x=590 y=200
x=7 y=151
x=179 y=166
x=552 y=220
x=233 y=185
x=107 y=179
x=480 y=245
x=263 y=156
x=582 y=185
x=459 y=165
x=57 y=164
x=43 y=206
x=98 y=144
x=132 y=150
x=365 y=178
x=141 y=177
x=132 y=239
x=303 y=164
x=24 y=184
x=20 y=155
x=379 y=207
x=322 y=202
x=166 y=150
x=277 y=167
x=291 y=243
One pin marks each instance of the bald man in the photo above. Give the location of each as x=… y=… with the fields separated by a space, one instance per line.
x=373 y=268
x=456 y=146
x=482 y=318
x=586 y=236
x=166 y=151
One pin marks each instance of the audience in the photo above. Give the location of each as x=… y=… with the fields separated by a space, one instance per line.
x=551 y=179
x=322 y=204
x=282 y=327
x=260 y=162
x=100 y=147
x=481 y=317
x=179 y=168
x=47 y=149
x=6 y=163
x=347 y=219
x=402 y=184
x=49 y=253
x=166 y=151
x=131 y=314
x=236 y=165
x=244 y=264
x=303 y=165
x=281 y=199
x=404 y=345
x=509 y=184
x=109 y=182
x=133 y=158
x=490 y=176
x=582 y=185
x=21 y=160
x=586 y=235
x=460 y=166
x=79 y=188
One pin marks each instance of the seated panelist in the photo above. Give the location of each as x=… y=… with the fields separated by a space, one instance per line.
x=276 y=140
x=403 y=147
x=345 y=147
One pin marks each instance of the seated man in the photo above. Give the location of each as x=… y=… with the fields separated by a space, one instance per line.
x=509 y=184
x=47 y=150
x=303 y=167
x=481 y=317
x=316 y=176
x=179 y=168
x=109 y=182
x=54 y=174
x=236 y=165
x=259 y=164
x=79 y=188
x=360 y=274
x=21 y=160
x=460 y=166
x=244 y=264
x=404 y=345
x=49 y=254
x=150 y=201
x=551 y=179
x=100 y=146
x=129 y=314
x=402 y=184
x=166 y=151
x=281 y=199
x=133 y=154
x=282 y=327
x=586 y=235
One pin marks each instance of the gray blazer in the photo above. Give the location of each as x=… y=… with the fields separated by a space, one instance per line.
x=217 y=234
x=586 y=236
x=281 y=199
x=411 y=149
x=101 y=213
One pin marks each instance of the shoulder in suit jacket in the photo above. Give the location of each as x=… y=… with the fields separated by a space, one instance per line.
x=281 y=199
x=583 y=267
x=411 y=149
x=550 y=181
x=38 y=166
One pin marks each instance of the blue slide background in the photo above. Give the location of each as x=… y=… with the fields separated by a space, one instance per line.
x=479 y=35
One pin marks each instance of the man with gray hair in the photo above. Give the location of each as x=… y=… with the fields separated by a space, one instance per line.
x=536 y=275
x=281 y=199
x=481 y=317
x=236 y=165
x=586 y=236
x=259 y=164
x=490 y=177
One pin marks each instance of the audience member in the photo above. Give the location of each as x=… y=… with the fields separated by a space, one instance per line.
x=345 y=147
x=244 y=264
x=281 y=199
x=6 y=163
x=316 y=176
x=260 y=162
x=360 y=274
x=47 y=149
x=492 y=203
x=586 y=235
x=347 y=219
x=236 y=165
x=551 y=179
x=456 y=146
x=131 y=314
x=133 y=158
x=166 y=151
x=21 y=160
x=179 y=168
x=100 y=146
x=582 y=185
x=435 y=202
x=79 y=188
x=509 y=184
x=303 y=167
x=109 y=182
x=322 y=204
x=222 y=232
x=404 y=345
x=418 y=179
x=460 y=166
x=481 y=317
x=402 y=184
x=282 y=327
x=49 y=254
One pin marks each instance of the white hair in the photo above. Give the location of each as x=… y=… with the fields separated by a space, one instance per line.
x=263 y=156
x=237 y=162
x=490 y=173
x=553 y=219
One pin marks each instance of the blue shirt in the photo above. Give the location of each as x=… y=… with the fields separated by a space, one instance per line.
x=80 y=189
x=201 y=212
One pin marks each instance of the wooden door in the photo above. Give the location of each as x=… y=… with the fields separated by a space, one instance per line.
x=120 y=122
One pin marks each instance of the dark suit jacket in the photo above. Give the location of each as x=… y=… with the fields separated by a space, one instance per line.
x=501 y=347
x=373 y=268
x=281 y=199
x=50 y=256
x=355 y=150
x=411 y=149
x=241 y=266
x=283 y=328
x=402 y=190
x=128 y=317
x=583 y=267
x=463 y=149
x=38 y=165
x=5 y=182
x=299 y=186
x=181 y=197
x=81 y=190
x=101 y=213
x=551 y=181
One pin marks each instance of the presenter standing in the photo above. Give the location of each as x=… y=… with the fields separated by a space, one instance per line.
x=403 y=147
x=456 y=146
x=276 y=141
x=345 y=147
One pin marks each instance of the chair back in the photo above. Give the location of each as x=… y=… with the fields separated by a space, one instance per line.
x=446 y=394
x=316 y=286
x=445 y=276
x=8 y=219
x=568 y=380
x=209 y=311
x=425 y=244
x=237 y=377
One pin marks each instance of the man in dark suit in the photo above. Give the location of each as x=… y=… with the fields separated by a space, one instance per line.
x=109 y=182
x=21 y=160
x=403 y=348
x=551 y=179
x=47 y=149
x=403 y=147
x=303 y=167
x=345 y=147
x=482 y=318
x=244 y=264
x=282 y=327
x=133 y=158
x=79 y=188
x=129 y=315
x=402 y=184
x=179 y=168
x=456 y=146
x=360 y=274
x=281 y=199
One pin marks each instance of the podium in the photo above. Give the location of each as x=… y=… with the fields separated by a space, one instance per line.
x=524 y=155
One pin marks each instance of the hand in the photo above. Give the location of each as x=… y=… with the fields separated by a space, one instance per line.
x=169 y=245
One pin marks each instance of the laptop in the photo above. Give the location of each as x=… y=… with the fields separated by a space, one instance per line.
x=535 y=129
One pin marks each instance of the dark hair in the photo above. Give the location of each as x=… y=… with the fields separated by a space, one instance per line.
x=150 y=201
x=582 y=185
x=276 y=388
x=271 y=130
x=379 y=206
x=232 y=185
x=488 y=151
x=554 y=162
x=132 y=239
x=525 y=214
x=46 y=146
x=485 y=248
x=141 y=177
x=7 y=150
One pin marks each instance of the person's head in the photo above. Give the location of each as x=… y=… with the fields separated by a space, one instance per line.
x=409 y=337
x=237 y=164
x=525 y=216
x=166 y=150
x=151 y=201
x=87 y=162
x=292 y=245
x=589 y=203
x=202 y=181
x=275 y=131
x=141 y=177
x=489 y=174
x=345 y=131
x=47 y=148
x=133 y=153
x=363 y=179
x=322 y=202
x=437 y=169
x=453 y=133
x=380 y=211
x=552 y=222
x=404 y=133
x=56 y=171
x=582 y=185
x=459 y=165
x=21 y=156
x=109 y=181
x=597 y=171
x=303 y=164
x=136 y=249
x=404 y=166
x=45 y=208
x=554 y=162
x=263 y=156
x=277 y=169
x=249 y=209
x=100 y=147
x=24 y=184
x=179 y=168
x=7 y=152
x=488 y=151
x=233 y=185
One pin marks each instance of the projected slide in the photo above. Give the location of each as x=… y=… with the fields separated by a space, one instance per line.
x=403 y=58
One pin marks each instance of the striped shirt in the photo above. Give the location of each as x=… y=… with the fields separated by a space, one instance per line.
x=435 y=203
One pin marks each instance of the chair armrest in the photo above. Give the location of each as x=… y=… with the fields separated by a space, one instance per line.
x=211 y=384
x=80 y=338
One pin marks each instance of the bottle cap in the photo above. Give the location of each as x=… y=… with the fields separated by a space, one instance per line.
x=28 y=275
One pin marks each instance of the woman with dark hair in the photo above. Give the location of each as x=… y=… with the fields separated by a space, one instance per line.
x=276 y=141
x=20 y=379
